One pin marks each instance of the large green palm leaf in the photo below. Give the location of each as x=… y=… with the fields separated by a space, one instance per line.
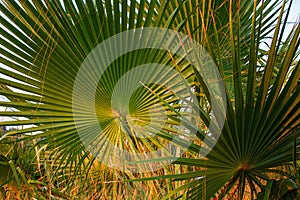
x=259 y=131
x=48 y=42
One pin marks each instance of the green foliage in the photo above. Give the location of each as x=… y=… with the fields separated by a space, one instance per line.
x=43 y=44
x=282 y=189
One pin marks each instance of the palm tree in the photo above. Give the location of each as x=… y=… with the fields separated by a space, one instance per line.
x=43 y=46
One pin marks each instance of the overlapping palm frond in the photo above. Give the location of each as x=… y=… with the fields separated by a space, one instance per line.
x=262 y=114
x=43 y=46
